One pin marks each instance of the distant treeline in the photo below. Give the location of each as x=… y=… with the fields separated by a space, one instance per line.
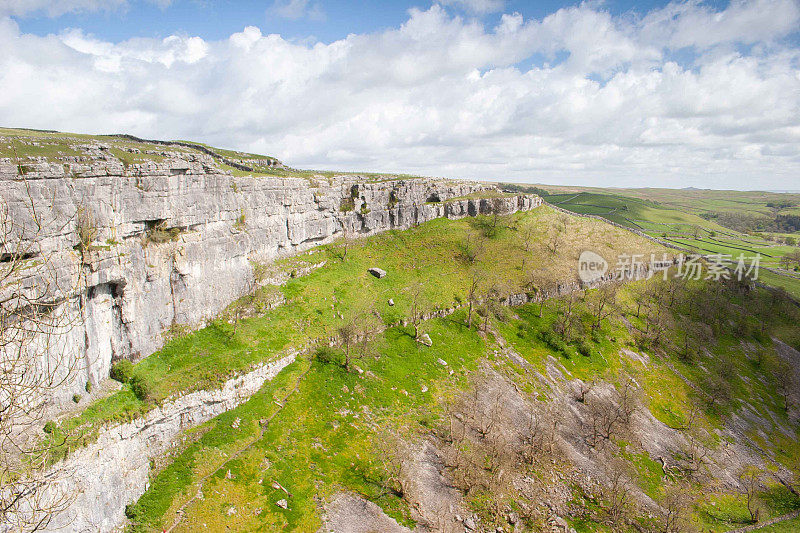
x=744 y=223
x=525 y=189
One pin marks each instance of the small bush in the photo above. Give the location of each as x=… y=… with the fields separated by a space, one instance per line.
x=76 y=398
x=327 y=355
x=86 y=228
x=347 y=204
x=88 y=387
x=121 y=371
x=141 y=387
x=130 y=511
x=50 y=427
x=584 y=348
x=553 y=341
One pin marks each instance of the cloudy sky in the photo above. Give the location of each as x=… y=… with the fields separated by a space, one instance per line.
x=603 y=93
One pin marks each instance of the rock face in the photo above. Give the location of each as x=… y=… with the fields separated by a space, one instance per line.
x=106 y=475
x=174 y=242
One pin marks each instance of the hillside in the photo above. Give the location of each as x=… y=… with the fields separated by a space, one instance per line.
x=695 y=221
x=325 y=352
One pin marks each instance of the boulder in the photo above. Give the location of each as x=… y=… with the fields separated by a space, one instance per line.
x=426 y=339
x=377 y=272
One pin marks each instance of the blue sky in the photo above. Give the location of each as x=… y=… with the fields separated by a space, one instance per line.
x=671 y=94
x=215 y=19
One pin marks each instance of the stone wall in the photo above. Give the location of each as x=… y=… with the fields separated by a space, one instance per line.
x=176 y=240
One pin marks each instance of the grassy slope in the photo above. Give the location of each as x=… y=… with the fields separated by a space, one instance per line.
x=206 y=358
x=697 y=201
x=326 y=435
x=682 y=227
x=55 y=145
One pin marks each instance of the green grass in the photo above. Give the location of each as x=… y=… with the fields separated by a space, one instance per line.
x=325 y=436
x=679 y=224
x=322 y=439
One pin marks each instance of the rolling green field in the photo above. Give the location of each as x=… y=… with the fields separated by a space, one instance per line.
x=659 y=214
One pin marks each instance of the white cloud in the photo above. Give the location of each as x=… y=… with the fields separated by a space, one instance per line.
x=442 y=95
x=297 y=9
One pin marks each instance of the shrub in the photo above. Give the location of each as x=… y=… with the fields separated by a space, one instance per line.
x=584 y=348
x=347 y=204
x=141 y=387
x=160 y=234
x=327 y=355
x=86 y=228
x=88 y=387
x=76 y=398
x=555 y=342
x=50 y=427
x=121 y=371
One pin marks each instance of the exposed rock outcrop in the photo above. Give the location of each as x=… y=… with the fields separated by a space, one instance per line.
x=174 y=242
x=100 y=479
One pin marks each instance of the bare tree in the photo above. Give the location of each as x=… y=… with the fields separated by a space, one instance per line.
x=750 y=482
x=470 y=248
x=36 y=312
x=343 y=246
x=600 y=305
x=476 y=278
x=787 y=384
x=419 y=303
x=617 y=494
x=566 y=318
x=354 y=335
x=676 y=505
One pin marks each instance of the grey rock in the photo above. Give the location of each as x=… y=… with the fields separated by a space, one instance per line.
x=134 y=290
x=426 y=339
x=377 y=272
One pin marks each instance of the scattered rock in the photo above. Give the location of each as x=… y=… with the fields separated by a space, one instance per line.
x=228 y=475
x=236 y=423
x=441 y=362
x=232 y=511
x=424 y=388
x=358 y=369
x=469 y=523
x=377 y=272
x=282 y=503
x=426 y=339
x=391 y=301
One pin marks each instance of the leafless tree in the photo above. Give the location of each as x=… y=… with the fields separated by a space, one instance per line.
x=419 y=304
x=555 y=241
x=470 y=248
x=355 y=334
x=617 y=494
x=476 y=278
x=676 y=505
x=36 y=312
x=567 y=317
x=787 y=385
x=607 y=415
x=343 y=246
x=750 y=482
x=601 y=303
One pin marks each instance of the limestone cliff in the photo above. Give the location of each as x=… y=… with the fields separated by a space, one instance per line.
x=174 y=241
